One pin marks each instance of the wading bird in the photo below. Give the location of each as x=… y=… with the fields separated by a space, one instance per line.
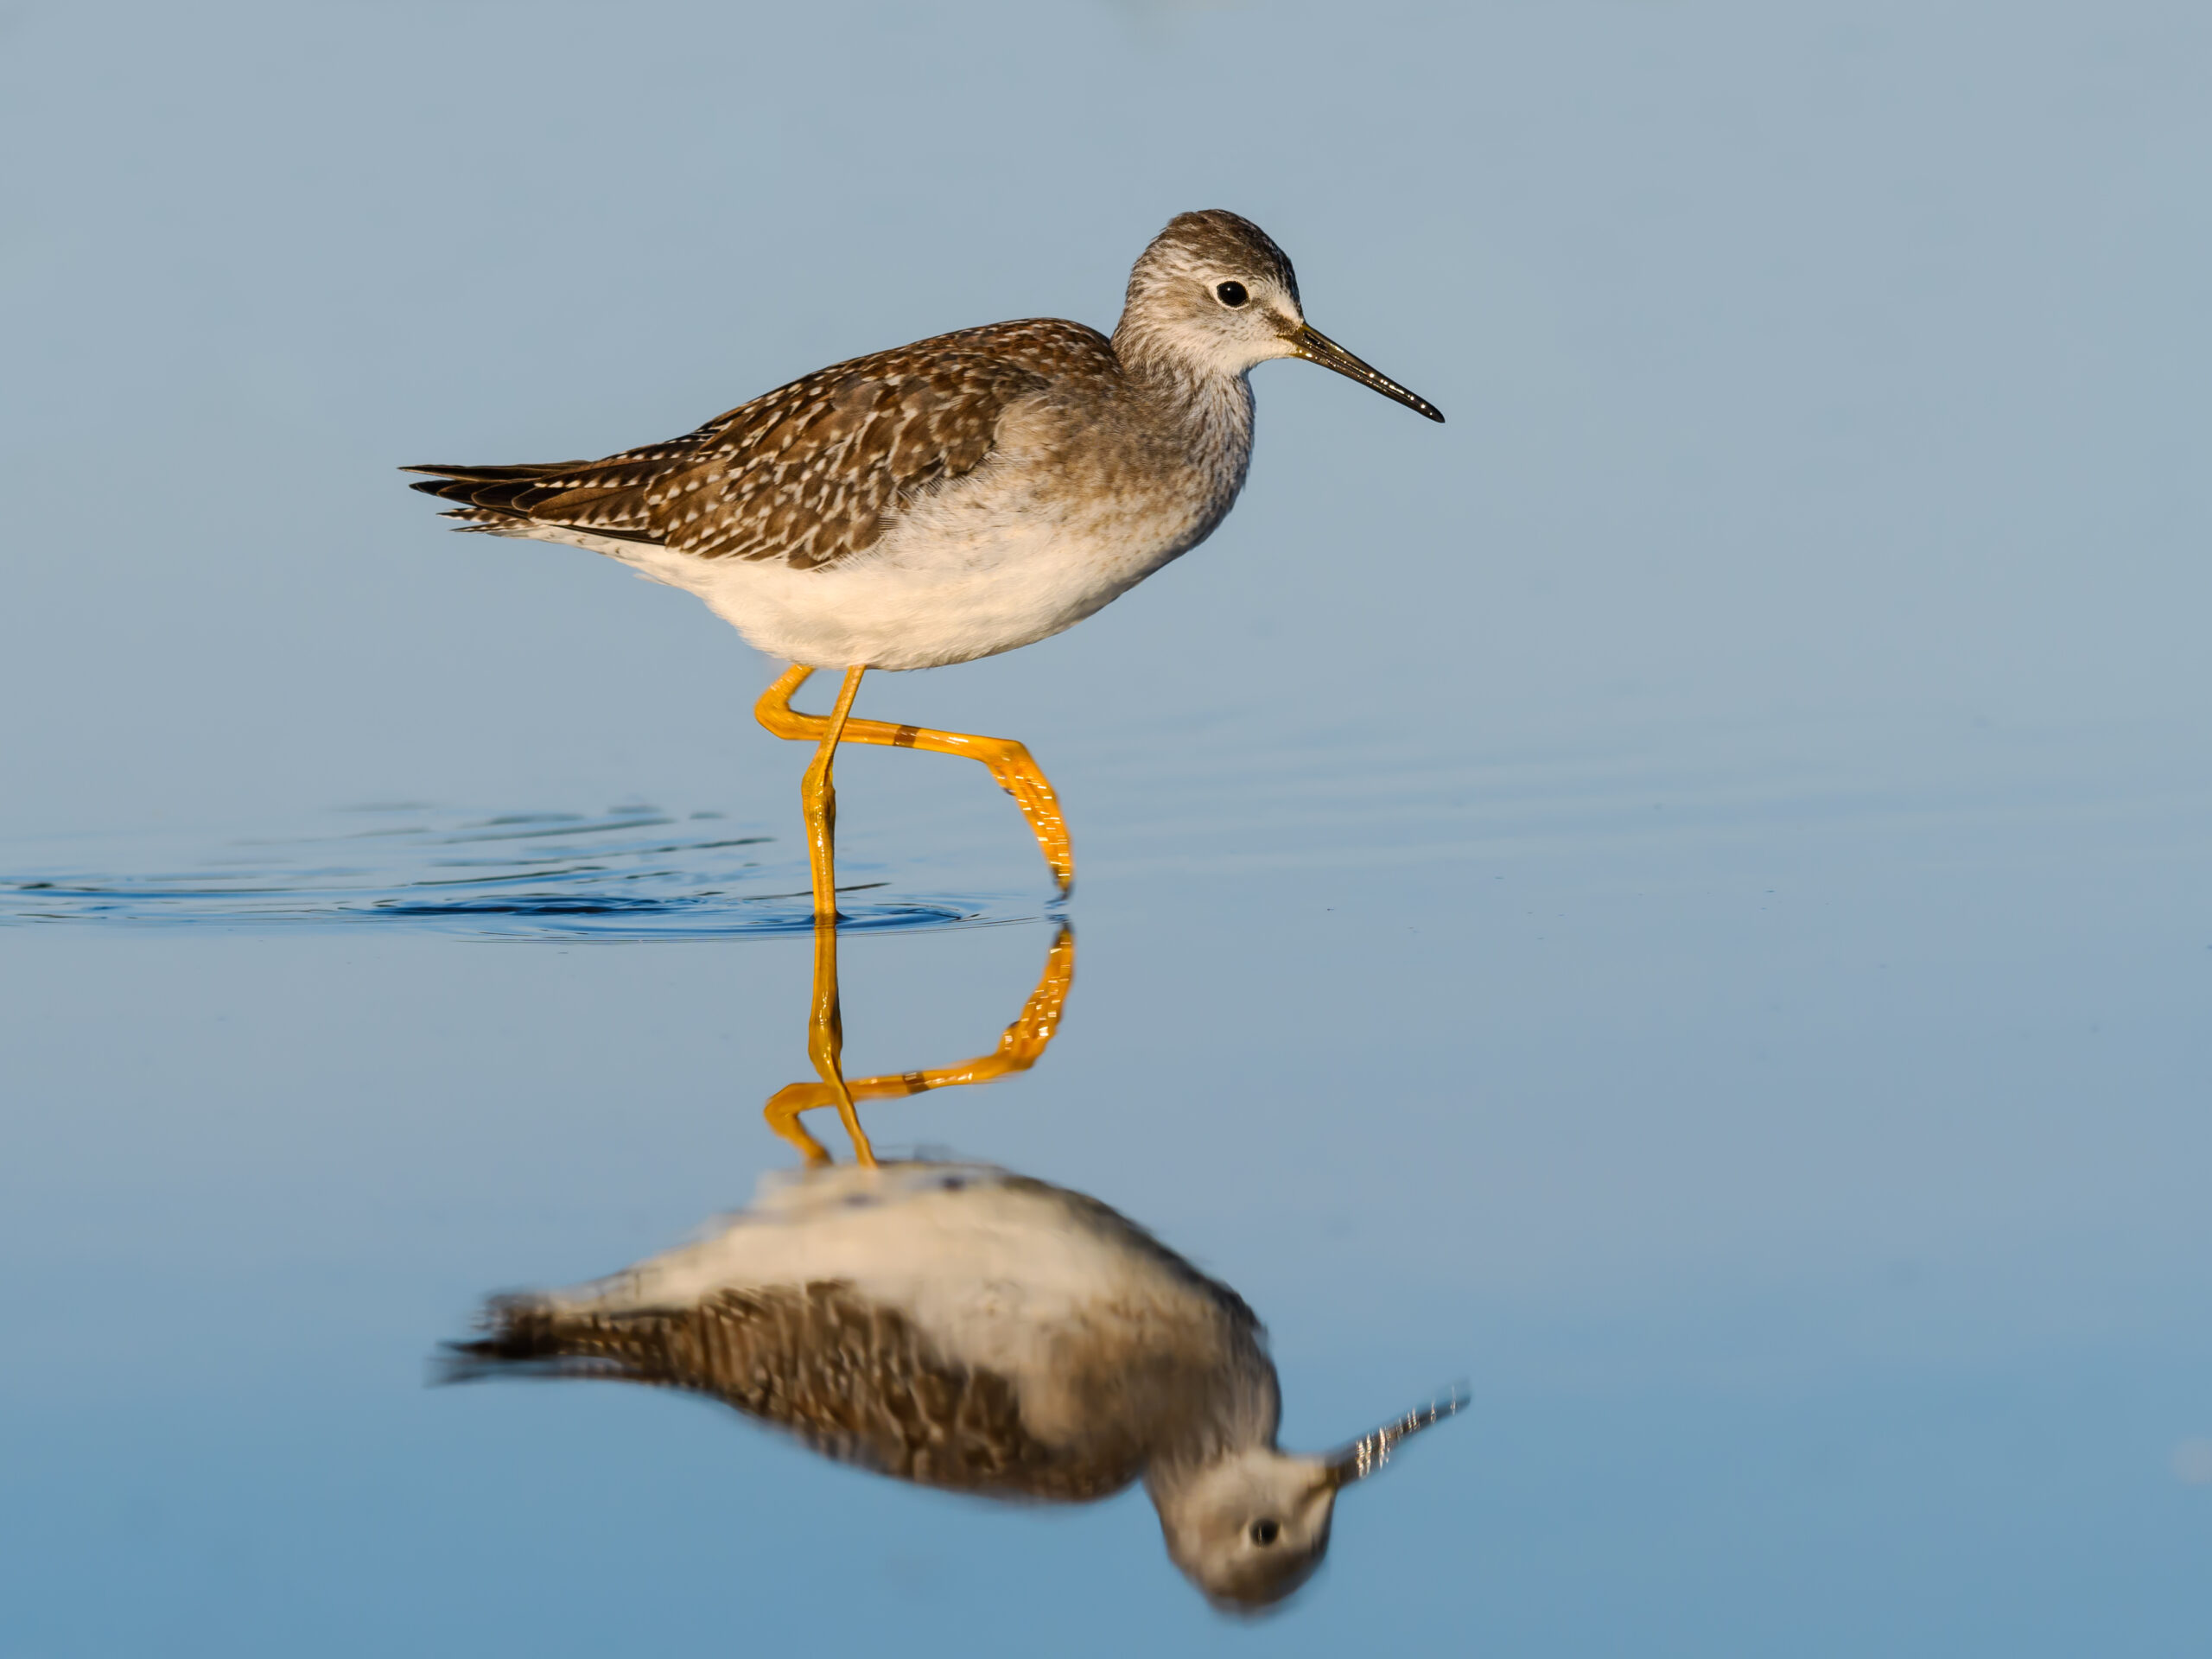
x=949 y=500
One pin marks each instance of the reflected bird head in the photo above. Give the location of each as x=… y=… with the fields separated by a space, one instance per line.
x=1250 y=1529
x=1252 y=1526
x=1214 y=293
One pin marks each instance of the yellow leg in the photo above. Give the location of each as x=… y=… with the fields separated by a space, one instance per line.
x=819 y=797
x=1008 y=762
x=1019 y=1048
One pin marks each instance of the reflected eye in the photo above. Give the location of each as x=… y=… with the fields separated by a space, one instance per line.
x=1263 y=1532
x=1232 y=294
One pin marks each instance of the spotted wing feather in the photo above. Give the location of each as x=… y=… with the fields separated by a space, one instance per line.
x=852 y=1379
x=808 y=474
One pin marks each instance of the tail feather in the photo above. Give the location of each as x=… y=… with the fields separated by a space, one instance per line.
x=499 y=498
x=500 y=489
x=492 y=474
x=526 y=1337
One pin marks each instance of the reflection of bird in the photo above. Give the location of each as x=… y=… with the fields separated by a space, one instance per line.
x=966 y=1328
x=949 y=500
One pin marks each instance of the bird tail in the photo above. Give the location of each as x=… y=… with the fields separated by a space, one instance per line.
x=491 y=497
x=527 y=1336
x=572 y=495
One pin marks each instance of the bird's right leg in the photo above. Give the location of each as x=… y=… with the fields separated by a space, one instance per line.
x=819 y=797
x=1007 y=761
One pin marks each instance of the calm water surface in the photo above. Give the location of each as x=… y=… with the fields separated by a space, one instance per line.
x=1807 y=1183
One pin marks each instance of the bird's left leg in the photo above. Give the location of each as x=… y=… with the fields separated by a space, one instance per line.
x=1008 y=762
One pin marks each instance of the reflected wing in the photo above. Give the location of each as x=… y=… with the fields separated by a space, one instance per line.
x=808 y=474
x=851 y=1378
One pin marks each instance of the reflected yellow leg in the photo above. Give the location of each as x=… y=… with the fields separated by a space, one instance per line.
x=1007 y=760
x=825 y=1047
x=1020 y=1047
x=819 y=797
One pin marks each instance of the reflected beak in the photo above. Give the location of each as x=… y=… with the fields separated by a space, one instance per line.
x=1370 y=1451
x=1310 y=343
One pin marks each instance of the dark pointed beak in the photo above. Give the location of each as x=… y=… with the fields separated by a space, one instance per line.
x=1370 y=1451
x=1310 y=343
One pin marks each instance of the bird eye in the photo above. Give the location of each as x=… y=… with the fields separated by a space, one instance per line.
x=1231 y=294
x=1263 y=1532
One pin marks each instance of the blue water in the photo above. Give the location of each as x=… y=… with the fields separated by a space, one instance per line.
x=629 y=872
x=1682 y=897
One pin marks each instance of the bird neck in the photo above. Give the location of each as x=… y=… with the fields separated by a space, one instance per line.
x=1235 y=1417
x=1205 y=411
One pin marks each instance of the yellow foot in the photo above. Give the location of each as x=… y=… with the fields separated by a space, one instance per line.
x=1007 y=761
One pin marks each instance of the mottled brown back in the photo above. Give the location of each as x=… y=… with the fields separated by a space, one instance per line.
x=808 y=474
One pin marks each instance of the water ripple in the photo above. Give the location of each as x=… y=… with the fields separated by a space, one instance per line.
x=628 y=874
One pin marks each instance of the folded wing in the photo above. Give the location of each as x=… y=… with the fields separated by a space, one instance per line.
x=808 y=474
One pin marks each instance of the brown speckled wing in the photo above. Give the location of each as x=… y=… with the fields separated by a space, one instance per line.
x=808 y=474
x=853 y=1379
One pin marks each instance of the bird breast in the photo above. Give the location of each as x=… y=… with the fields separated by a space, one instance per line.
x=1118 y=487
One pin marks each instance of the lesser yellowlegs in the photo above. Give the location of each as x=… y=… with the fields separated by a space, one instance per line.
x=949 y=500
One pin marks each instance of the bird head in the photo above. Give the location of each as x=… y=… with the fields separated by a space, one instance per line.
x=1252 y=1526
x=1213 y=293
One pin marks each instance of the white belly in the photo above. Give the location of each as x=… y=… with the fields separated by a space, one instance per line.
x=967 y=573
x=919 y=606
